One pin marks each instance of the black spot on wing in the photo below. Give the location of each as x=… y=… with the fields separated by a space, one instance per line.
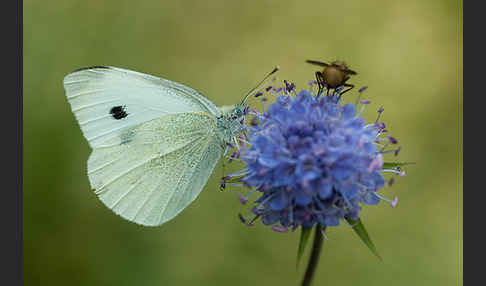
x=90 y=68
x=118 y=112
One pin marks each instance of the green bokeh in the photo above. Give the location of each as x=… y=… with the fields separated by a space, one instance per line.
x=409 y=53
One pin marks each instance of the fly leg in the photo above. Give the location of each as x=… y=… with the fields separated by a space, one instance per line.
x=320 y=82
x=351 y=86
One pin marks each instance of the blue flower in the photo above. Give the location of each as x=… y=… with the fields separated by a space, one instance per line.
x=313 y=160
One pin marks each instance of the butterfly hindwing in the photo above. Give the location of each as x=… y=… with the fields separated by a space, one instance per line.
x=152 y=171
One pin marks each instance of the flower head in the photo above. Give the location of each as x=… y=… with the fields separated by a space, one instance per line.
x=313 y=160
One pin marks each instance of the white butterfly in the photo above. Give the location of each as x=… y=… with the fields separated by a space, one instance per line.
x=155 y=142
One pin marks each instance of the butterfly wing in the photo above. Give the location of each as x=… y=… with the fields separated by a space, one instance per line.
x=154 y=143
x=107 y=100
x=154 y=170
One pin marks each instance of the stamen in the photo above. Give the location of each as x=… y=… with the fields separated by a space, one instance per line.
x=235 y=154
x=393 y=202
x=255 y=210
x=246 y=110
x=242 y=140
x=236 y=143
x=380 y=126
x=382 y=150
x=279 y=228
x=245 y=141
x=379 y=139
x=255 y=112
x=397 y=150
x=390 y=171
x=266 y=199
x=346 y=201
x=236 y=185
x=243 y=199
x=402 y=173
x=361 y=111
x=242 y=219
x=235 y=175
x=291 y=214
x=234 y=159
x=287 y=86
x=252 y=222
x=263 y=104
x=379 y=114
x=377 y=163
x=392 y=139
x=276 y=91
x=311 y=85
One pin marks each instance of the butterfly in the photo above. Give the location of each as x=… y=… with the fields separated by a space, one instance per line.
x=154 y=142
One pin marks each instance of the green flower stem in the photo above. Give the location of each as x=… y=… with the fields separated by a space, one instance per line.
x=314 y=257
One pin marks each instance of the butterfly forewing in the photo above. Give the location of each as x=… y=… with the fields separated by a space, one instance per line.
x=108 y=100
x=158 y=169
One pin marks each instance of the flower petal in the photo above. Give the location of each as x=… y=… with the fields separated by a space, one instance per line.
x=279 y=201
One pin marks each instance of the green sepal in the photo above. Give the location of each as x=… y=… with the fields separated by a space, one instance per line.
x=392 y=165
x=304 y=238
x=360 y=230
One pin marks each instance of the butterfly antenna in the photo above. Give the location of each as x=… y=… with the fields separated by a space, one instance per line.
x=257 y=87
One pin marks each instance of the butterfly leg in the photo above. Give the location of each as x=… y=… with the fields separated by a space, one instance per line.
x=221 y=187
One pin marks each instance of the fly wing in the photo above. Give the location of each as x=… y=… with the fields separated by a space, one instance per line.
x=317 y=63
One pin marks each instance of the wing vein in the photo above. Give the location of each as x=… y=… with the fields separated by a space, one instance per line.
x=92 y=104
x=147 y=199
x=139 y=180
x=85 y=92
x=178 y=183
x=131 y=169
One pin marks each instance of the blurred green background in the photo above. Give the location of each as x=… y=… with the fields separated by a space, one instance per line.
x=409 y=53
